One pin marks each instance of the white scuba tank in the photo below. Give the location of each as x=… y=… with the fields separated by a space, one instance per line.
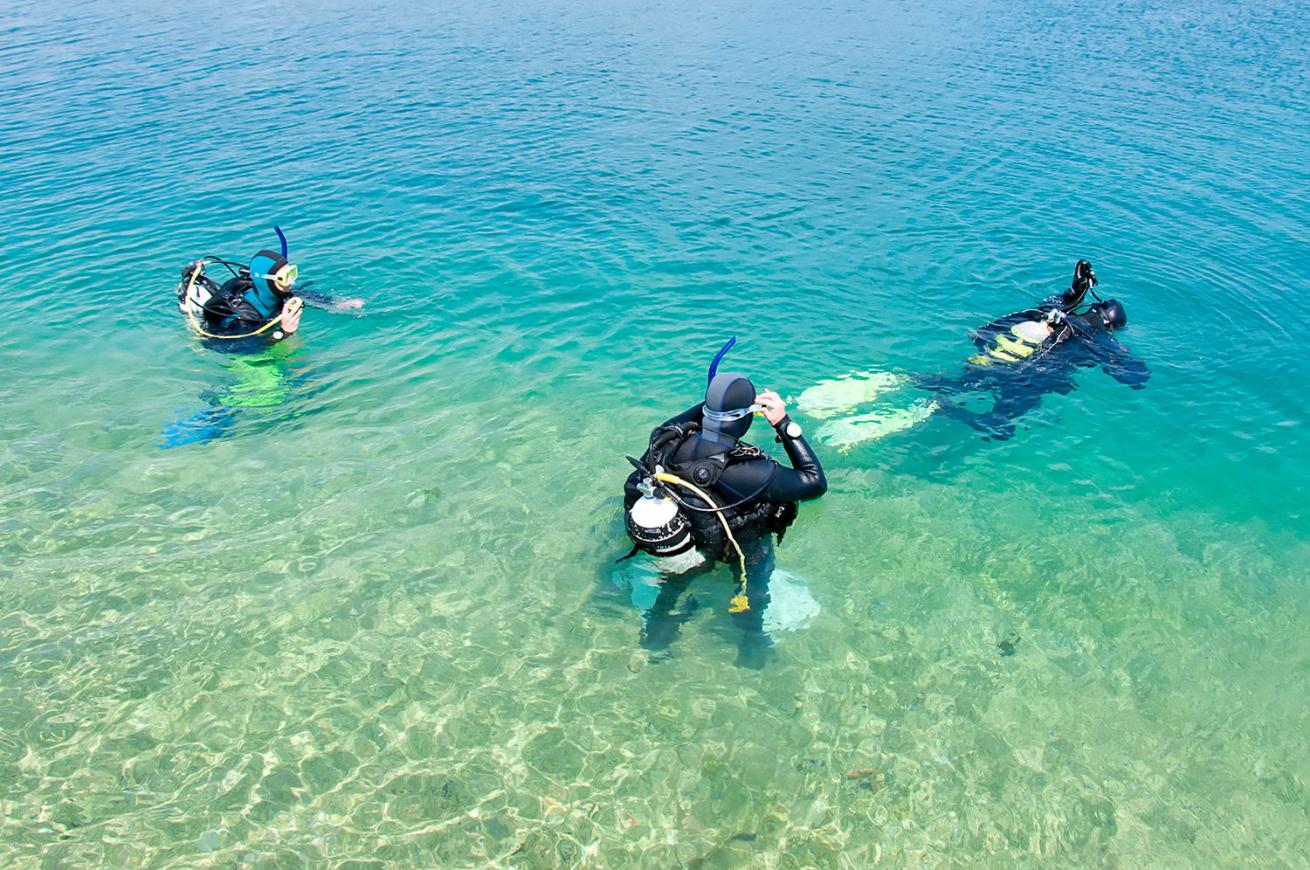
x=1033 y=331
x=196 y=300
x=657 y=526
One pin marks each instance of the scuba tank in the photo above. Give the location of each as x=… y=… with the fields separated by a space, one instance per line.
x=1020 y=342
x=656 y=524
x=193 y=294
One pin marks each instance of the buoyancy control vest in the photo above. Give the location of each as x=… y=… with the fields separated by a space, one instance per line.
x=248 y=299
x=749 y=517
x=1016 y=344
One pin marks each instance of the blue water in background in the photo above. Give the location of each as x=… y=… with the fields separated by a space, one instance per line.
x=556 y=213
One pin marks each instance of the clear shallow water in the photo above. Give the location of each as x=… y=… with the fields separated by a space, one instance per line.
x=380 y=621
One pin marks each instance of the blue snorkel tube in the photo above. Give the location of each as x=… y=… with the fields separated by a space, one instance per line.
x=718 y=358
x=281 y=237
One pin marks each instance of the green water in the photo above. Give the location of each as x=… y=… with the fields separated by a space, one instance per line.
x=379 y=619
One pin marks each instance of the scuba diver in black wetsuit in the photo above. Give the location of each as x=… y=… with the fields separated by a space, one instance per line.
x=246 y=316
x=1025 y=355
x=256 y=299
x=260 y=299
x=699 y=486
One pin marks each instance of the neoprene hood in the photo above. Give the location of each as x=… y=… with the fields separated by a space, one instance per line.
x=728 y=393
x=1110 y=313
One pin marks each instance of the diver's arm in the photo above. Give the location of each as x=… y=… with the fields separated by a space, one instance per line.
x=1119 y=363
x=1128 y=370
x=326 y=302
x=805 y=479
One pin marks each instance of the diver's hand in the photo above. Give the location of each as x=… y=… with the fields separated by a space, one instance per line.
x=772 y=405
x=291 y=315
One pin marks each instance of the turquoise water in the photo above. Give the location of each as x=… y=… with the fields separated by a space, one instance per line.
x=379 y=620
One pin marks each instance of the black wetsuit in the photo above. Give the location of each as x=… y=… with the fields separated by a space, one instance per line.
x=766 y=483
x=756 y=480
x=1018 y=387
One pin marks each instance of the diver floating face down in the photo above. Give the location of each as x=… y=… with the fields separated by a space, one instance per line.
x=1021 y=357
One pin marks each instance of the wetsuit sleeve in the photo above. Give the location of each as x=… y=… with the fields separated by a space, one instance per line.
x=1128 y=370
x=323 y=301
x=1119 y=363
x=805 y=479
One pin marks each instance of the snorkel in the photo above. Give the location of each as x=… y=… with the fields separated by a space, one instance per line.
x=729 y=400
x=718 y=358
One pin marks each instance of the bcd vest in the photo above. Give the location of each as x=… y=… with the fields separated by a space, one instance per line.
x=1016 y=345
x=749 y=521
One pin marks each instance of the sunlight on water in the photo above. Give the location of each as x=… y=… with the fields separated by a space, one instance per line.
x=367 y=610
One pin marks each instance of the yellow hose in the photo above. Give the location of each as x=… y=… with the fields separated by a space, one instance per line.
x=195 y=323
x=739 y=603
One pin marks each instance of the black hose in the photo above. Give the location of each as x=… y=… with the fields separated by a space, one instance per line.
x=228 y=264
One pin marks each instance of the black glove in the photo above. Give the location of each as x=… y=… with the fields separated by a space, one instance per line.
x=1084 y=279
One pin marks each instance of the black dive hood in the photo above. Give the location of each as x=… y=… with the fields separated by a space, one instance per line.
x=1108 y=315
x=729 y=407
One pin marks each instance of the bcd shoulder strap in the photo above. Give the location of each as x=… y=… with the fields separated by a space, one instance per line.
x=665 y=441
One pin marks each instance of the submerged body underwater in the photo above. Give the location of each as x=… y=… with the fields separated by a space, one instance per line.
x=379 y=619
x=1020 y=358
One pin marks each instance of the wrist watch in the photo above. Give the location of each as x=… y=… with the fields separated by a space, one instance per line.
x=789 y=427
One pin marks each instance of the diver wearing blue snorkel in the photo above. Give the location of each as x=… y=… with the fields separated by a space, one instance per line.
x=255 y=300
x=699 y=487
x=259 y=299
x=245 y=317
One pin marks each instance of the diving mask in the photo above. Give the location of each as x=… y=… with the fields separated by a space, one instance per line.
x=284 y=278
x=733 y=414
